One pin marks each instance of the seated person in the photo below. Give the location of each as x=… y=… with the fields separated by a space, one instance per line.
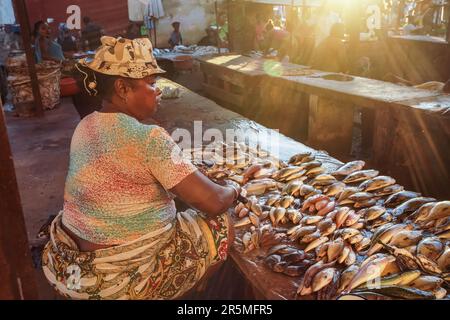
x=133 y=31
x=175 y=38
x=211 y=37
x=275 y=38
x=66 y=40
x=331 y=54
x=91 y=34
x=44 y=47
x=119 y=224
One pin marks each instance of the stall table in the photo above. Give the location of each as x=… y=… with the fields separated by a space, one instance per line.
x=181 y=114
x=416 y=138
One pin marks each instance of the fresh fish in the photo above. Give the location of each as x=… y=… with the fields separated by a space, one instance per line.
x=368 y=272
x=347 y=233
x=398 y=198
x=356 y=239
x=305 y=286
x=365 y=204
x=341 y=216
x=279 y=214
x=363 y=244
x=385 y=237
x=406 y=238
x=422 y=213
x=440 y=210
x=402 y=279
x=300 y=231
x=334 y=189
x=243 y=223
x=292 y=187
x=307 y=220
x=399 y=292
x=323 y=279
x=294 y=216
x=306 y=189
x=361 y=196
x=272 y=260
x=411 y=206
x=430 y=247
x=313 y=245
x=372 y=213
x=254 y=219
x=311 y=237
x=427 y=283
x=298 y=158
x=389 y=190
x=359 y=176
x=352 y=218
x=334 y=249
x=351 y=258
x=314 y=172
x=327 y=209
x=347 y=192
x=243 y=213
x=311 y=165
x=349 y=168
x=377 y=183
x=344 y=253
x=444 y=261
x=440 y=293
x=347 y=276
x=331 y=229
x=286 y=201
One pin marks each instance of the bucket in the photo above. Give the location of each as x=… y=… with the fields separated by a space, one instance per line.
x=183 y=62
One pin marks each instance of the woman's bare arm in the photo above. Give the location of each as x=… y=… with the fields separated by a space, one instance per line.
x=201 y=193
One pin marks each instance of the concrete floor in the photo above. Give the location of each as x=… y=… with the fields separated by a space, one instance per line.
x=41 y=158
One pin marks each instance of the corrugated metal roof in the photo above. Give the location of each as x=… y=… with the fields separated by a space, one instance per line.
x=112 y=15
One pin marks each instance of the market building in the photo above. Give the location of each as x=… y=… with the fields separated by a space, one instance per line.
x=226 y=149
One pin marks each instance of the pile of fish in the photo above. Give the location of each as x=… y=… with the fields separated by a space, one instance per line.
x=347 y=231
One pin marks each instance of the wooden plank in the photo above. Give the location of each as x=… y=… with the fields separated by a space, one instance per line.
x=413 y=147
x=222 y=95
x=225 y=74
x=330 y=126
x=22 y=14
x=16 y=271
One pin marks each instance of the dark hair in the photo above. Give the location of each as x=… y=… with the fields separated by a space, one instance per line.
x=37 y=25
x=104 y=82
x=270 y=26
x=86 y=20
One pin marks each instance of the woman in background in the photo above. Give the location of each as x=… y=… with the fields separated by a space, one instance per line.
x=46 y=48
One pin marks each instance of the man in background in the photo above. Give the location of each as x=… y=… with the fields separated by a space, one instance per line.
x=91 y=34
x=175 y=38
x=331 y=55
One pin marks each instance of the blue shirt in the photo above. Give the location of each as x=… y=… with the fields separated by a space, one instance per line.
x=53 y=49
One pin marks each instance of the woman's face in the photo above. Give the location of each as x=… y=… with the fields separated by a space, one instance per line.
x=144 y=98
x=44 y=30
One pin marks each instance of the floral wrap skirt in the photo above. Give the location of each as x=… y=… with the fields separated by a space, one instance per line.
x=164 y=264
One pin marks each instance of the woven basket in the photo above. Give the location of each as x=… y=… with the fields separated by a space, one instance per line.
x=49 y=84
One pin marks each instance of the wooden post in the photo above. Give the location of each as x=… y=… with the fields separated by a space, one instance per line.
x=217 y=26
x=22 y=16
x=330 y=126
x=16 y=271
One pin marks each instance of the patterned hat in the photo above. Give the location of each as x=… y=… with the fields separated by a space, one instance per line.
x=124 y=57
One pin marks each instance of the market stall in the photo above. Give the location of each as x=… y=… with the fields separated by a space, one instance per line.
x=326 y=219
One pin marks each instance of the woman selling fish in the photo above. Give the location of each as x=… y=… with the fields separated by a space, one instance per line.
x=119 y=235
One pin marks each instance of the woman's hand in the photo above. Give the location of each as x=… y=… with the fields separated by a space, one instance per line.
x=204 y=195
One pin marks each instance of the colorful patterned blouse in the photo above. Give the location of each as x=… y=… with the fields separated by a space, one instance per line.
x=118 y=181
